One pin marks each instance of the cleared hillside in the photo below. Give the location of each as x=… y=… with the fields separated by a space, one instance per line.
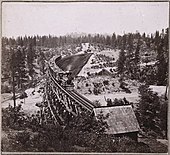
x=73 y=63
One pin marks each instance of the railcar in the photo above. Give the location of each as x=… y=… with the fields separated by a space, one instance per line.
x=63 y=78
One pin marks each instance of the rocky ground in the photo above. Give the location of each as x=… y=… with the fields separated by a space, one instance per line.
x=109 y=87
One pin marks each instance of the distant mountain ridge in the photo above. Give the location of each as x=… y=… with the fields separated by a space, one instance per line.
x=81 y=34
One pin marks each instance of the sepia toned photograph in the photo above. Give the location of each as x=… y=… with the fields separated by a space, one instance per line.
x=84 y=77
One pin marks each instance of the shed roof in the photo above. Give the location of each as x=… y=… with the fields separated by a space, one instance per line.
x=121 y=119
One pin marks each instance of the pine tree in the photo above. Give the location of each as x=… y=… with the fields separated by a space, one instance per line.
x=162 y=64
x=42 y=62
x=20 y=41
x=108 y=40
x=137 y=61
x=30 y=60
x=122 y=57
x=130 y=56
x=21 y=67
x=143 y=36
x=166 y=48
x=148 y=106
x=113 y=41
x=121 y=62
x=89 y=38
x=34 y=40
x=137 y=58
x=13 y=64
x=157 y=40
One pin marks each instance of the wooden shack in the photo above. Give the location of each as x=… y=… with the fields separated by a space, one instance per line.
x=121 y=121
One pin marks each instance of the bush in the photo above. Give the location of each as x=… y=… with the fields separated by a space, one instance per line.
x=5 y=89
x=163 y=116
x=152 y=134
x=97 y=103
x=143 y=148
x=23 y=95
x=106 y=82
x=126 y=144
x=96 y=91
x=23 y=137
x=104 y=143
x=78 y=87
x=118 y=102
x=14 y=118
x=109 y=102
x=11 y=116
x=87 y=84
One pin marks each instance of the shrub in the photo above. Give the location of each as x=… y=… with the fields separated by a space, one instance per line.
x=142 y=148
x=163 y=116
x=23 y=95
x=5 y=89
x=106 y=82
x=23 y=137
x=96 y=91
x=14 y=118
x=87 y=84
x=113 y=84
x=11 y=116
x=151 y=133
x=97 y=103
x=89 y=90
x=126 y=144
x=109 y=102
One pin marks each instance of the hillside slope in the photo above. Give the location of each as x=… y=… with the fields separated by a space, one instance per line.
x=73 y=63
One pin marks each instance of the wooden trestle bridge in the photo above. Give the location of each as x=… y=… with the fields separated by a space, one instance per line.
x=62 y=101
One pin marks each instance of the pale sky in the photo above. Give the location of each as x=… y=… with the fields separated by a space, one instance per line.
x=89 y=17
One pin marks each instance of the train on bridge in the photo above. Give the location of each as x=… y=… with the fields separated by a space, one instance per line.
x=62 y=100
x=64 y=79
x=63 y=103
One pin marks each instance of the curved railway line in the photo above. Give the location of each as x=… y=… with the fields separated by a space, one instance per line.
x=81 y=100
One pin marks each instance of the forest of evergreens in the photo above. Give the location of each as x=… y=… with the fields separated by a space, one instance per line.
x=19 y=55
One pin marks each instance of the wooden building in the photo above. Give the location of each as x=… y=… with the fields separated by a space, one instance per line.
x=121 y=121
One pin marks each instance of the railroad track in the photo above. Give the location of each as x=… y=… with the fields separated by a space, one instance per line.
x=79 y=99
x=82 y=101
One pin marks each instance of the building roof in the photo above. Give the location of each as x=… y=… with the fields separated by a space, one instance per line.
x=121 y=119
x=73 y=63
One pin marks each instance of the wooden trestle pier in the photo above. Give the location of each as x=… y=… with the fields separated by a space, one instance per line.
x=63 y=102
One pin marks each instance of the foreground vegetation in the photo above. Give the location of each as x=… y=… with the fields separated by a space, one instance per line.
x=51 y=139
x=21 y=132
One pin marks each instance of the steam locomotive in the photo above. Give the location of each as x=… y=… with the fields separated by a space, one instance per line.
x=64 y=79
